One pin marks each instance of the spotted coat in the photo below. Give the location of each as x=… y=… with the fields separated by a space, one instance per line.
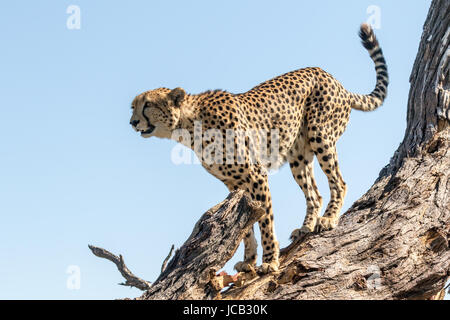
x=309 y=110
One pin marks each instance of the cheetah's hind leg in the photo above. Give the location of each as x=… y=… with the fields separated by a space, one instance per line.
x=301 y=163
x=338 y=189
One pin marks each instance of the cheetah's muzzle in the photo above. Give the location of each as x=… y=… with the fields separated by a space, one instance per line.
x=149 y=130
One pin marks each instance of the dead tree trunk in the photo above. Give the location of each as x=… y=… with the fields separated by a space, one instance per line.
x=393 y=243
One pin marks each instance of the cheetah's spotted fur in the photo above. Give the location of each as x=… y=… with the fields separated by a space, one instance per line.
x=309 y=108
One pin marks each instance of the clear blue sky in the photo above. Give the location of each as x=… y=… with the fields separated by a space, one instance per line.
x=73 y=173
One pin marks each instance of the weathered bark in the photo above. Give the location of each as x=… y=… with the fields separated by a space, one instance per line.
x=131 y=279
x=393 y=243
x=428 y=105
x=191 y=273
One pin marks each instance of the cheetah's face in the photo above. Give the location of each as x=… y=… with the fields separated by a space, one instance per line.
x=157 y=112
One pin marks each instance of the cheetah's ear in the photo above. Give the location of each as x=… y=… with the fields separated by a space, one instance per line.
x=177 y=96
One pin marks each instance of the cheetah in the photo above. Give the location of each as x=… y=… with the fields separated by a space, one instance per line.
x=308 y=108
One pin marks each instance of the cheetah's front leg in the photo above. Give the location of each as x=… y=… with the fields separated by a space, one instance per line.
x=256 y=184
x=250 y=252
x=250 y=244
x=259 y=191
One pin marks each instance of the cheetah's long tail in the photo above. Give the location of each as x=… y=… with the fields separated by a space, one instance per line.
x=375 y=99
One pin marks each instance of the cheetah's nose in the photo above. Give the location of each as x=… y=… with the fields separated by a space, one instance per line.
x=134 y=123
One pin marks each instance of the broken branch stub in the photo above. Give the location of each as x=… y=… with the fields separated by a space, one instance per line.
x=214 y=240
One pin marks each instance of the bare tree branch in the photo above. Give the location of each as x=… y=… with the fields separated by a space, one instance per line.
x=163 y=267
x=191 y=273
x=131 y=279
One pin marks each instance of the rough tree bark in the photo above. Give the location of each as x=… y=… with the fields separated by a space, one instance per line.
x=393 y=243
x=191 y=274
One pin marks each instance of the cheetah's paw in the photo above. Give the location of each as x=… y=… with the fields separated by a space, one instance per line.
x=324 y=224
x=299 y=233
x=245 y=266
x=268 y=267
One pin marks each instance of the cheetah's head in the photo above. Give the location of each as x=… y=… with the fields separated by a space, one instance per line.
x=157 y=112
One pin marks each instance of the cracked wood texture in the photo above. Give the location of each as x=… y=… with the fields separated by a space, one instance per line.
x=214 y=240
x=393 y=243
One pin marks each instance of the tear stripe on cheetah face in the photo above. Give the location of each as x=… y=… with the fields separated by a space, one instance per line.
x=157 y=112
x=310 y=109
